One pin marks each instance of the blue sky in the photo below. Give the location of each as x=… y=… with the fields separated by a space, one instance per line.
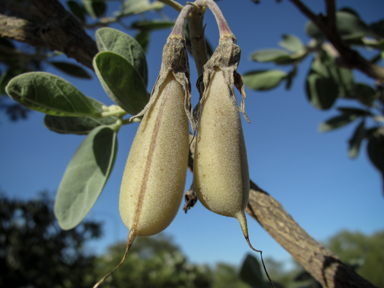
x=308 y=172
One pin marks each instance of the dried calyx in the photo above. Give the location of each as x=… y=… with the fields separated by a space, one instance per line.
x=175 y=61
x=226 y=58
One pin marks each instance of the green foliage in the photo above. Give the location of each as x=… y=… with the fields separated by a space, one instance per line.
x=121 y=81
x=327 y=81
x=152 y=262
x=49 y=94
x=95 y=8
x=71 y=69
x=85 y=176
x=263 y=79
x=35 y=252
x=251 y=273
x=349 y=27
x=108 y=39
x=366 y=253
x=78 y=125
x=139 y=6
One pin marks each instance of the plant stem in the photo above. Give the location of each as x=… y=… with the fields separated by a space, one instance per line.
x=175 y=5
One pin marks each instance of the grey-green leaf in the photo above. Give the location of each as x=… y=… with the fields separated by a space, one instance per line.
x=108 y=39
x=121 y=81
x=71 y=69
x=140 y=6
x=349 y=26
x=76 y=9
x=263 y=79
x=365 y=94
x=49 y=94
x=270 y=55
x=357 y=138
x=78 y=125
x=95 y=8
x=250 y=272
x=375 y=150
x=337 y=122
x=322 y=92
x=85 y=177
x=292 y=43
x=143 y=39
x=152 y=25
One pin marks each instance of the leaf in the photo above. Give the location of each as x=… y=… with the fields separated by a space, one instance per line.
x=348 y=25
x=357 y=138
x=108 y=39
x=49 y=94
x=121 y=81
x=78 y=125
x=140 y=6
x=85 y=177
x=375 y=150
x=354 y=111
x=143 y=39
x=270 y=55
x=337 y=122
x=365 y=94
x=250 y=272
x=292 y=43
x=76 y=10
x=7 y=76
x=71 y=69
x=263 y=79
x=95 y=8
x=322 y=88
x=152 y=25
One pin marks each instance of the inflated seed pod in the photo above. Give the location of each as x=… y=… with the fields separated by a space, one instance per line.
x=221 y=174
x=154 y=177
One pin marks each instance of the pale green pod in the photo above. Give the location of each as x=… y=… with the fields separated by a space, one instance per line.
x=221 y=174
x=154 y=176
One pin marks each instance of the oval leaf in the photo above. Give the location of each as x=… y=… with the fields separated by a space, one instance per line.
x=152 y=25
x=337 y=122
x=121 y=81
x=357 y=138
x=264 y=79
x=76 y=10
x=349 y=26
x=270 y=55
x=71 y=69
x=322 y=92
x=375 y=150
x=108 y=39
x=49 y=94
x=85 y=177
x=250 y=272
x=78 y=125
x=292 y=43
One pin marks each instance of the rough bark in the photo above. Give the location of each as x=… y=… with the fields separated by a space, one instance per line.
x=317 y=260
x=59 y=30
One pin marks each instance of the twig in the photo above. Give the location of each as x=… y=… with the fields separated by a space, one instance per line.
x=351 y=58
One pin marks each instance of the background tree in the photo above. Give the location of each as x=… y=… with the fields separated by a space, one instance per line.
x=153 y=262
x=62 y=32
x=35 y=252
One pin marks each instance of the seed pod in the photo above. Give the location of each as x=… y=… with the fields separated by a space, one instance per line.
x=221 y=174
x=154 y=177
